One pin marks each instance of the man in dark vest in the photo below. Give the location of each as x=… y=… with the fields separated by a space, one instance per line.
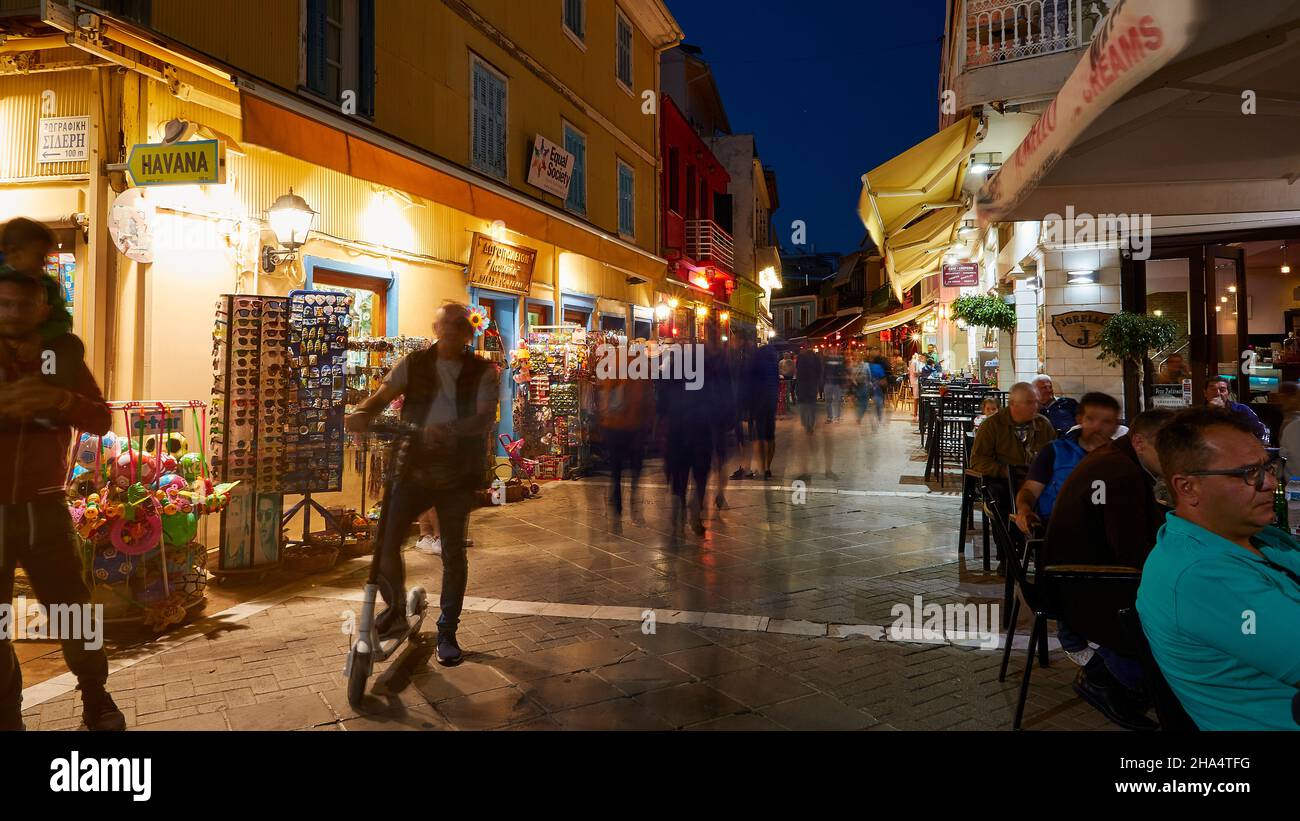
x=452 y=395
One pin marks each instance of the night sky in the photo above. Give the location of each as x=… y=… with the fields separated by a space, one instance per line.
x=830 y=88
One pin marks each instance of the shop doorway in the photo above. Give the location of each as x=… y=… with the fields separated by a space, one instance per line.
x=495 y=344
x=373 y=291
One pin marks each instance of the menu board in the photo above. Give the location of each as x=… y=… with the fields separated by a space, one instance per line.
x=318 y=344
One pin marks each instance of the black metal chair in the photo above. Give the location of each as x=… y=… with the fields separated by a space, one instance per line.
x=1169 y=710
x=1088 y=597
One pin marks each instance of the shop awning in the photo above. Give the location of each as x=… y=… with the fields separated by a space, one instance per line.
x=927 y=177
x=837 y=324
x=286 y=124
x=1175 y=108
x=893 y=320
x=917 y=251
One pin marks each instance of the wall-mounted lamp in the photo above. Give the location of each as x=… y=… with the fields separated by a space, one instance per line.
x=725 y=316
x=968 y=229
x=672 y=303
x=701 y=311
x=291 y=219
x=1286 y=269
x=662 y=312
x=1081 y=277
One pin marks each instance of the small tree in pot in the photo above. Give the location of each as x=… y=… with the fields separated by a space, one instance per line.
x=1133 y=337
x=986 y=311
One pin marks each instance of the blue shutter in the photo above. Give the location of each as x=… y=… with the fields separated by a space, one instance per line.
x=366 y=57
x=489 y=122
x=624 y=47
x=626 y=213
x=576 y=145
x=316 y=46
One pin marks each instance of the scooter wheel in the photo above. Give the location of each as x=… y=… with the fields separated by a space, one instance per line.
x=359 y=675
x=534 y=488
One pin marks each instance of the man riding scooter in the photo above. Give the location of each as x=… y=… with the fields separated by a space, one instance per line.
x=452 y=395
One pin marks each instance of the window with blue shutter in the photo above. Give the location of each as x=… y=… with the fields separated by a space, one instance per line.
x=576 y=144
x=340 y=51
x=575 y=18
x=624 y=47
x=489 y=121
x=626 y=201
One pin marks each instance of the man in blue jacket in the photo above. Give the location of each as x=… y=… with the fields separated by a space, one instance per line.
x=1217 y=395
x=1059 y=410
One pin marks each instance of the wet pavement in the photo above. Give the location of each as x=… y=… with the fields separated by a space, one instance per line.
x=776 y=618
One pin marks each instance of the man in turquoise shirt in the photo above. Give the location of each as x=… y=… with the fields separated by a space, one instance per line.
x=1220 y=594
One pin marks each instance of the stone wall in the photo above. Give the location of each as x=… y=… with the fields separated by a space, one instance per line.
x=1076 y=371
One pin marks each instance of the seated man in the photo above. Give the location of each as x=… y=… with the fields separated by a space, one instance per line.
x=1108 y=513
x=1217 y=395
x=1173 y=371
x=1220 y=594
x=1060 y=411
x=1012 y=436
x=1098 y=418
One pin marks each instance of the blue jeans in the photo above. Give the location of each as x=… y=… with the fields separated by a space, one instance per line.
x=405 y=503
x=834 y=395
x=865 y=394
x=1127 y=671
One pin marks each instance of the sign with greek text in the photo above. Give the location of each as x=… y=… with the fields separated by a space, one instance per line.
x=500 y=265
x=63 y=139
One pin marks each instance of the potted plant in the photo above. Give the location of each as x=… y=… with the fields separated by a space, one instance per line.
x=985 y=311
x=1132 y=337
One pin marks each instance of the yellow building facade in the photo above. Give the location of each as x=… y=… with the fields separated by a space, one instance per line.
x=396 y=183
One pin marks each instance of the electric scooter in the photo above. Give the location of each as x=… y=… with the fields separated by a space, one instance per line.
x=368 y=648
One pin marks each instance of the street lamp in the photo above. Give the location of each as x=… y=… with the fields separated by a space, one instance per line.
x=291 y=219
x=662 y=312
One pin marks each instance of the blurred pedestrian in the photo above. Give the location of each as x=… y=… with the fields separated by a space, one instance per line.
x=625 y=409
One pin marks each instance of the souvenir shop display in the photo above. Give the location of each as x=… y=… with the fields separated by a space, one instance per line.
x=136 y=500
x=369 y=361
x=318 y=345
x=251 y=396
x=552 y=372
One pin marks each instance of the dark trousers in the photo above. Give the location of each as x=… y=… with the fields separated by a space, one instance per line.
x=405 y=503
x=39 y=537
x=626 y=451
x=690 y=452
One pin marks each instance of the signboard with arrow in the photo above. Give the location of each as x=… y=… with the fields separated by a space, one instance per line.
x=63 y=139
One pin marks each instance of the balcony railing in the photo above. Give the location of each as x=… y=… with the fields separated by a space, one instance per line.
x=706 y=241
x=1001 y=31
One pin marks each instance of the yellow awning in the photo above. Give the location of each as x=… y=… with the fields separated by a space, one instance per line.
x=899 y=318
x=927 y=175
x=917 y=251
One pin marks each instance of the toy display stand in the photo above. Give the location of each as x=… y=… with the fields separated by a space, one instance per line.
x=136 y=501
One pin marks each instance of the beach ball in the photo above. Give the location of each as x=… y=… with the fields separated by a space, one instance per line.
x=133 y=466
x=192 y=582
x=167 y=463
x=190 y=466
x=110 y=566
x=88 y=450
x=172 y=481
x=173 y=444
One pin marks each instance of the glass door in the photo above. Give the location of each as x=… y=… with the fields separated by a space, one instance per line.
x=1226 y=315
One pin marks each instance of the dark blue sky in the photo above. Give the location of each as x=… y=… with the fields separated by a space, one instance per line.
x=830 y=88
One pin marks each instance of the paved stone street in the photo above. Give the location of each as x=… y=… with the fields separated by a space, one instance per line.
x=775 y=619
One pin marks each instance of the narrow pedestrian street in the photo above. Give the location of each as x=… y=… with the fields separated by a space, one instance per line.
x=777 y=618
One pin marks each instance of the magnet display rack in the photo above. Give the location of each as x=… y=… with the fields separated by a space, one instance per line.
x=318 y=348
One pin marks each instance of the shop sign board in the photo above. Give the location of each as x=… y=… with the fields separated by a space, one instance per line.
x=1174 y=395
x=500 y=266
x=961 y=274
x=63 y=139
x=1080 y=329
x=199 y=162
x=551 y=167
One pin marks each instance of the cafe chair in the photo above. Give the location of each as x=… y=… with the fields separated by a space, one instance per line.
x=972 y=494
x=1169 y=710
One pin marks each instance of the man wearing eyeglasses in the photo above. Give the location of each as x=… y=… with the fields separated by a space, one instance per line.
x=1220 y=594
x=452 y=395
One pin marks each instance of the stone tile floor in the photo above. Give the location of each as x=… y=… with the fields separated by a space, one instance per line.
x=740 y=639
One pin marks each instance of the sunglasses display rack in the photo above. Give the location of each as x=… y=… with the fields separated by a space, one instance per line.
x=249 y=397
x=553 y=408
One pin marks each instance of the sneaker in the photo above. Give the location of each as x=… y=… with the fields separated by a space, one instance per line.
x=429 y=545
x=720 y=501
x=697 y=525
x=449 y=653
x=1112 y=701
x=98 y=711
x=740 y=474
